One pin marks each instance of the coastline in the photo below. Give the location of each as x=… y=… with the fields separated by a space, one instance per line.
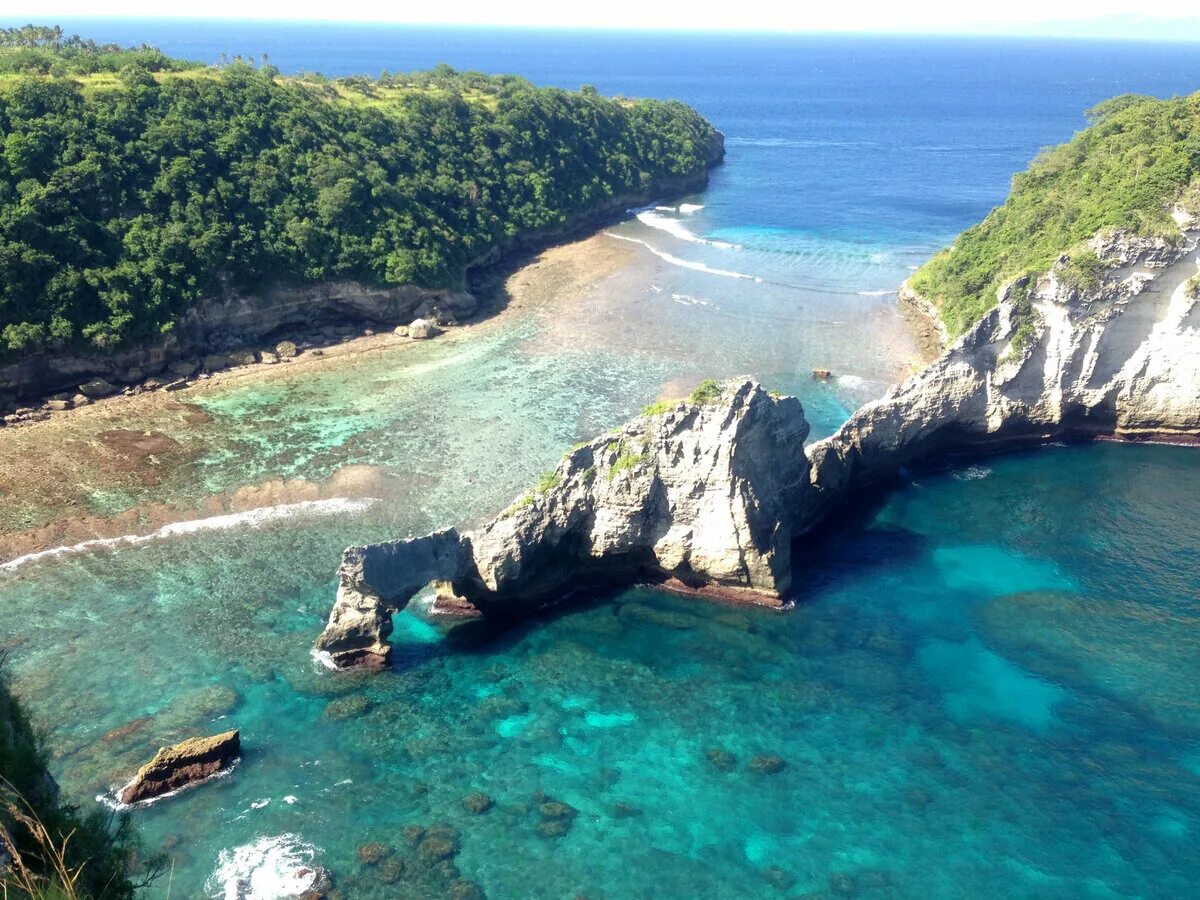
x=284 y=311
x=130 y=441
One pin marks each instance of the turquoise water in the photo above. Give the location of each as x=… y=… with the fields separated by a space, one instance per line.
x=986 y=687
x=987 y=680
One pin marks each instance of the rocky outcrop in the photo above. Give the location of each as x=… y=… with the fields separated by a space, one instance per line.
x=1119 y=358
x=233 y=320
x=182 y=765
x=699 y=494
x=709 y=495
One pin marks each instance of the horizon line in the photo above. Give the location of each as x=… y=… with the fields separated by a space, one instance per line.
x=1032 y=31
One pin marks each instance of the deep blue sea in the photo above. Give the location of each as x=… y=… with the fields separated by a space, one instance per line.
x=986 y=686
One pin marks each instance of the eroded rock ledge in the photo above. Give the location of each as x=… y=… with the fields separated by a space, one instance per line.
x=709 y=495
x=701 y=493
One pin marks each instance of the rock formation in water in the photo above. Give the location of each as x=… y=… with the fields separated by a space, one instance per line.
x=1118 y=360
x=183 y=765
x=699 y=493
x=710 y=494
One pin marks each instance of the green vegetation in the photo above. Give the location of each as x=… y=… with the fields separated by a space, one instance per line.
x=547 y=482
x=133 y=185
x=1027 y=317
x=1192 y=288
x=708 y=391
x=1138 y=157
x=625 y=462
x=57 y=850
x=659 y=408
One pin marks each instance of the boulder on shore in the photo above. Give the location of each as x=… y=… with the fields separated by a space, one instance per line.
x=420 y=329
x=183 y=765
x=96 y=388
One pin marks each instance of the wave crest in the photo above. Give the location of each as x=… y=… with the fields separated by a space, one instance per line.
x=272 y=868
x=254 y=518
x=676 y=261
x=677 y=229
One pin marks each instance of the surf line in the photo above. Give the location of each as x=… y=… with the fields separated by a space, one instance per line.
x=676 y=261
x=254 y=518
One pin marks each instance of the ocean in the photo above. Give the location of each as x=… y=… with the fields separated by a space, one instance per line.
x=985 y=686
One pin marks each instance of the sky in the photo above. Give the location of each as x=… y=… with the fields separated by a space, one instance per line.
x=1084 y=17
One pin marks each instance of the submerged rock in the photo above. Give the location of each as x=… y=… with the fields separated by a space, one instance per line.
x=722 y=760
x=373 y=854
x=767 y=764
x=182 y=765
x=477 y=803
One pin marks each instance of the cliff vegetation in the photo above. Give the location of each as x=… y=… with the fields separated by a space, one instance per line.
x=50 y=850
x=132 y=185
x=1139 y=158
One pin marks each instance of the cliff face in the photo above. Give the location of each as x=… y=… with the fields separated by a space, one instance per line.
x=1119 y=359
x=711 y=495
x=701 y=494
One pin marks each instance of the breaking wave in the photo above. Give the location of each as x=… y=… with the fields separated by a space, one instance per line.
x=254 y=518
x=676 y=261
x=675 y=228
x=689 y=300
x=271 y=868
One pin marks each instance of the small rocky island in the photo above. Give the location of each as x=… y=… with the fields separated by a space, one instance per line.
x=707 y=494
x=185 y=764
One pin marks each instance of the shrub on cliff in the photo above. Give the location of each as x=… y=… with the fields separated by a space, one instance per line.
x=132 y=191
x=1139 y=156
x=56 y=849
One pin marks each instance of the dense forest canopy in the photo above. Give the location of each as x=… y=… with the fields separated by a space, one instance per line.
x=132 y=185
x=1139 y=157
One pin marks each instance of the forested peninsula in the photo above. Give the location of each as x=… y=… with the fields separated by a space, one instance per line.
x=134 y=187
x=1135 y=170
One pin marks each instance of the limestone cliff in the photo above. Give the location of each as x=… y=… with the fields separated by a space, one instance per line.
x=701 y=493
x=712 y=494
x=1117 y=359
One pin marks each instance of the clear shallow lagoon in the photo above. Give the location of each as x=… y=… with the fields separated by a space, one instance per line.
x=987 y=681
x=986 y=686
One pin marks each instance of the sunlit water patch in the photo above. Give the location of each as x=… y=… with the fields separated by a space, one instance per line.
x=972 y=690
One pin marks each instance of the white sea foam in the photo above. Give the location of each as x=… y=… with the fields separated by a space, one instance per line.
x=971 y=473
x=253 y=518
x=675 y=228
x=272 y=868
x=689 y=300
x=676 y=261
x=688 y=208
x=259 y=804
x=851 y=381
x=874 y=293
x=289 y=799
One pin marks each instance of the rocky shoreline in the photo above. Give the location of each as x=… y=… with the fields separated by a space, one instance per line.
x=237 y=323
x=709 y=493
